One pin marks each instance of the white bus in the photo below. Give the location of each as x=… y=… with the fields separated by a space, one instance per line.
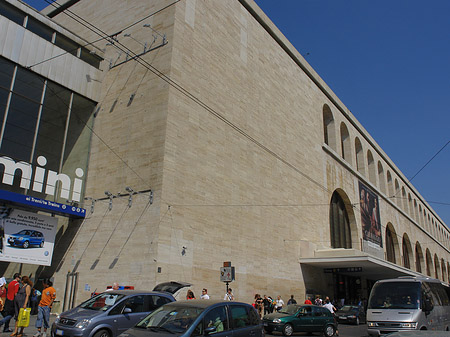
x=408 y=303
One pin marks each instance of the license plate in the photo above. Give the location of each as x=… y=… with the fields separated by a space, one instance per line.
x=342 y=317
x=59 y=332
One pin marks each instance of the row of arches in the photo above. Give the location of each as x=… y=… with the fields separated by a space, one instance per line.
x=352 y=151
x=398 y=249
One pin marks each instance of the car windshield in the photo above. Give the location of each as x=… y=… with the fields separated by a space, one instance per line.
x=102 y=301
x=348 y=308
x=291 y=309
x=172 y=318
x=24 y=232
x=395 y=295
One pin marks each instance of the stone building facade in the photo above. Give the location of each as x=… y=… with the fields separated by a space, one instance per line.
x=214 y=140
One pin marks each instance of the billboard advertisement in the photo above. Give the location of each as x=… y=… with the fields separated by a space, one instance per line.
x=370 y=215
x=27 y=237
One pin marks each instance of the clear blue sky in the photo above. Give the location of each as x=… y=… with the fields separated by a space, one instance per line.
x=389 y=62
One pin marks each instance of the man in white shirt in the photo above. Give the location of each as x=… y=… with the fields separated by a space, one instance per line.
x=204 y=295
x=229 y=295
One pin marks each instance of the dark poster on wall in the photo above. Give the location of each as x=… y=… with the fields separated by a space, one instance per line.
x=370 y=215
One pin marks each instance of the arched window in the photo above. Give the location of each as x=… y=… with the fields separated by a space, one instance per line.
x=419 y=257
x=444 y=272
x=390 y=185
x=345 y=143
x=407 y=251
x=329 y=132
x=410 y=206
x=436 y=266
x=429 y=262
x=381 y=178
x=339 y=223
x=404 y=200
x=416 y=215
x=359 y=156
x=371 y=167
x=397 y=193
x=391 y=243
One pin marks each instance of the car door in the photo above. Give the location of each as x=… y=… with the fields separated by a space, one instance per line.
x=245 y=321
x=127 y=313
x=304 y=319
x=215 y=323
x=320 y=318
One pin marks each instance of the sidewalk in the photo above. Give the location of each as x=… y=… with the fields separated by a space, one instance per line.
x=31 y=329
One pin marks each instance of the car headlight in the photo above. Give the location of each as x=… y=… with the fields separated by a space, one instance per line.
x=353 y=316
x=83 y=323
x=277 y=320
x=411 y=325
x=372 y=324
x=57 y=320
x=21 y=238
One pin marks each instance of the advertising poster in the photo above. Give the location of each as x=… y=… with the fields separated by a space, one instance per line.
x=370 y=215
x=27 y=237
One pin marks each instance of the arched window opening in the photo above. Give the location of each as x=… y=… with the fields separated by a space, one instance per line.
x=390 y=185
x=397 y=194
x=410 y=206
x=381 y=178
x=404 y=200
x=359 y=156
x=436 y=266
x=416 y=215
x=420 y=218
x=444 y=272
x=391 y=243
x=419 y=258
x=329 y=132
x=406 y=251
x=429 y=262
x=371 y=167
x=339 y=223
x=345 y=143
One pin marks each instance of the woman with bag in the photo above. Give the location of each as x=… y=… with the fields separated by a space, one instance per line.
x=21 y=301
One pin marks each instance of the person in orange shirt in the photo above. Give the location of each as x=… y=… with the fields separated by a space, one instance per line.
x=45 y=305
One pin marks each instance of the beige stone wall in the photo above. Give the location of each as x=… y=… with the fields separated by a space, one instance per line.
x=236 y=158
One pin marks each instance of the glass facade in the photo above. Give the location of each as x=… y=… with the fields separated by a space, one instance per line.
x=48 y=126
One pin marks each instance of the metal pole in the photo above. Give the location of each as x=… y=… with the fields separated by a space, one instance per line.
x=65 y=292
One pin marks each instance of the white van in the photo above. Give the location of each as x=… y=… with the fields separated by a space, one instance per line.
x=408 y=303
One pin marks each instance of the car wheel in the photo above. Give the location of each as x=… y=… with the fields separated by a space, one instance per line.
x=26 y=244
x=288 y=330
x=102 y=333
x=42 y=244
x=329 y=331
x=357 y=321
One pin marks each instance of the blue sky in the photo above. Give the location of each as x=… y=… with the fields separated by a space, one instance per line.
x=389 y=63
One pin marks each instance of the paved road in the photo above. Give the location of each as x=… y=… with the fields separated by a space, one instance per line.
x=345 y=330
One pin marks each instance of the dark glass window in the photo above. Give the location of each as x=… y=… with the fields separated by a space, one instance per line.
x=155 y=301
x=6 y=73
x=216 y=317
x=29 y=84
x=52 y=125
x=40 y=29
x=240 y=316
x=3 y=99
x=11 y=13
x=339 y=223
x=390 y=247
x=20 y=128
x=67 y=44
x=92 y=59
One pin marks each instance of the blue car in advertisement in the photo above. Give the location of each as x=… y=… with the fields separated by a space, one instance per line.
x=26 y=238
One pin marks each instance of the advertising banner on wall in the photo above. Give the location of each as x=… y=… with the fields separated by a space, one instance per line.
x=370 y=215
x=27 y=237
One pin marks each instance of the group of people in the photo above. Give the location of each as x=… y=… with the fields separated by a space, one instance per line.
x=19 y=293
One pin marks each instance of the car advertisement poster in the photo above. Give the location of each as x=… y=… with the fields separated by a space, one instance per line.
x=27 y=237
x=370 y=215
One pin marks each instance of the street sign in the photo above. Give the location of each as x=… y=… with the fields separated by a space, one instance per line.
x=226 y=274
x=343 y=270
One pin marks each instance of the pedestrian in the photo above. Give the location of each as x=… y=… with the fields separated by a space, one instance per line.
x=279 y=303
x=318 y=301
x=292 y=300
x=45 y=306
x=204 y=295
x=229 y=295
x=332 y=309
x=21 y=301
x=8 y=311
x=34 y=301
x=267 y=302
x=259 y=304
x=115 y=286
x=190 y=295
x=308 y=300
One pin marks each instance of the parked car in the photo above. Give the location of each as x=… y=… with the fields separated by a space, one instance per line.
x=110 y=313
x=301 y=318
x=26 y=238
x=351 y=314
x=200 y=318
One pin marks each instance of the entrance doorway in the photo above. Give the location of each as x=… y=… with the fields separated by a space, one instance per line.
x=347 y=289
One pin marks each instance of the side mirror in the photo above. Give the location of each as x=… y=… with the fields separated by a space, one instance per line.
x=210 y=330
x=127 y=311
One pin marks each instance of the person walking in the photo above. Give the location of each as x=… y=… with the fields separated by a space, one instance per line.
x=8 y=310
x=44 y=308
x=190 y=295
x=204 y=295
x=21 y=301
x=229 y=295
x=332 y=309
x=279 y=303
x=292 y=300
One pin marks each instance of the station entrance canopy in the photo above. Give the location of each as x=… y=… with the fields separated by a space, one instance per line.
x=356 y=263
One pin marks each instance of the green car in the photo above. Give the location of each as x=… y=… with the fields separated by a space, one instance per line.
x=301 y=318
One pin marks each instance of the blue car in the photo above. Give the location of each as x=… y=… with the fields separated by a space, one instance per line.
x=26 y=238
